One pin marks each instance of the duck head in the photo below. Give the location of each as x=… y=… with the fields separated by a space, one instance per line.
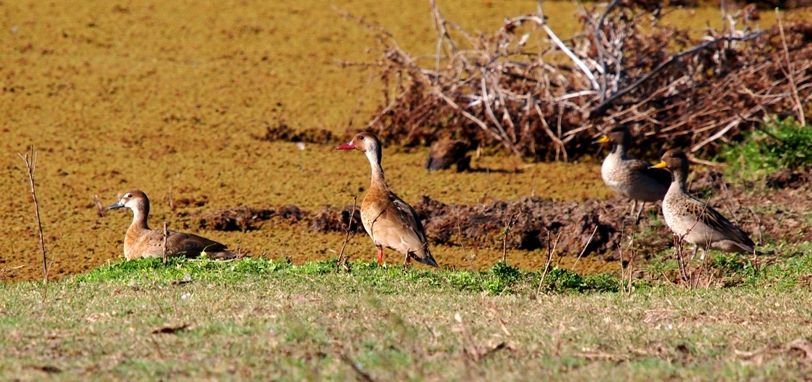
x=618 y=135
x=673 y=160
x=365 y=142
x=135 y=200
x=676 y=162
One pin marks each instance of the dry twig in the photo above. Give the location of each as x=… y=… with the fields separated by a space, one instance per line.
x=29 y=159
x=342 y=260
x=550 y=252
x=588 y=242
x=100 y=210
x=548 y=99
x=790 y=73
x=164 y=251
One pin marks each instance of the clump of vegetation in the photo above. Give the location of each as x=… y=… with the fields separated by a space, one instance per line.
x=500 y=89
x=778 y=144
x=502 y=278
x=725 y=269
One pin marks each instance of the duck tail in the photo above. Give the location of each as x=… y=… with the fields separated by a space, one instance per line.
x=750 y=248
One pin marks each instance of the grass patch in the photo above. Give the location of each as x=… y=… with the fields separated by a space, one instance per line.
x=500 y=279
x=785 y=270
x=778 y=144
x=264 y=319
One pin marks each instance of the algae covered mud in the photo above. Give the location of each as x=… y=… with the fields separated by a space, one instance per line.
x=169 y=98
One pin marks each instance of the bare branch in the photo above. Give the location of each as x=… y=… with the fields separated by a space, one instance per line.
x=30 y=162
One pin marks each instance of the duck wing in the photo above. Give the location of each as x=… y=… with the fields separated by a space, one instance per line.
x=191 y=245
x=716 y=221
x=410 y=226
x=408 y=214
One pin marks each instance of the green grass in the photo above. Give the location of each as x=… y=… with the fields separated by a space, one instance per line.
x=261 y=319
x=776 y=145
x=501 y=278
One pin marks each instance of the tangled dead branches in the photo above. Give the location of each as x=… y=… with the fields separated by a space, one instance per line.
x=525 y=89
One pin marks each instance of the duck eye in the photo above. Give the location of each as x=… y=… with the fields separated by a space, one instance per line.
x=128 y=196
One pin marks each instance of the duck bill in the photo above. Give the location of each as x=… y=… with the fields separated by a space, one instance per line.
x=345 y=147
x=115 y=205
x=662 y=164
x=602 y=140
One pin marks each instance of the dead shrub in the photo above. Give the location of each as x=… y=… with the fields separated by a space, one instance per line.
x=525 y=89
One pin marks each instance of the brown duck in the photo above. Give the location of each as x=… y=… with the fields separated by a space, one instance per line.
x=447 y=152
x=631 y=177
x=388 y=220
x=140 y=241
x=694 y=220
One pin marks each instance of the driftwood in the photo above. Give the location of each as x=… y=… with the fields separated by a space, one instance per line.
x=537 y=95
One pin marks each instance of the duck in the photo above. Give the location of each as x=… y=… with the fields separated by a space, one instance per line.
x=141 y=241
x=388 y=220
x=447 y=152
x=692 y=219
x=632 y=178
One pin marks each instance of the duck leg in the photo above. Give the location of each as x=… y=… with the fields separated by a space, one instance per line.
x=639 y=212
x=379 y=255
x=633 y=207
x=407 y=260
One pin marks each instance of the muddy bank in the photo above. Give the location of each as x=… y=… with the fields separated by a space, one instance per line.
x=777 y=209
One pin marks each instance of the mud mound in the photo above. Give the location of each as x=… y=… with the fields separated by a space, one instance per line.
x=282 y=132
x=245 y=218
x=533 y=223
x=787 y=178
x=536 y=222
x=331 y=220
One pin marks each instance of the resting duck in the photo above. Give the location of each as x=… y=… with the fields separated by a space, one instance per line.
x=630 y=177
x=140 y=241
x=693 y=219
x=388 y=220
x=447 y=152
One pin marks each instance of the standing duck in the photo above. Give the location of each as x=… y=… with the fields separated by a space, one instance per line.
x=140 y=241
x=388 y=220
x=630 y=177
x=692 y=219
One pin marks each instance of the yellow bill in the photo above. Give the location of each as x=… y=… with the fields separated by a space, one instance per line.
x=603 y=139
x=662 y=164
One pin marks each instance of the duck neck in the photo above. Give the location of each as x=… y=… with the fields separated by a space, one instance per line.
x=376 y=170
x=619 y=150
x=140 y=214
x=679 y=179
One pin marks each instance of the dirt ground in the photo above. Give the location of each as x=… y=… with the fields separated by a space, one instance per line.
x=167 y=98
